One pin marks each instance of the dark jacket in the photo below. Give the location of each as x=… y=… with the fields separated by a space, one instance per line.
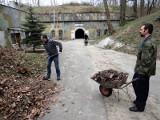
x=85 y=36
x=51 y=47
x=146 y=58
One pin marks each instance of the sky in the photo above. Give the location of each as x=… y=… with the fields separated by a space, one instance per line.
x=58 y=2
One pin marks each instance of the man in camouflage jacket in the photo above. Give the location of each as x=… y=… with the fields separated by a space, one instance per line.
x=144 y=68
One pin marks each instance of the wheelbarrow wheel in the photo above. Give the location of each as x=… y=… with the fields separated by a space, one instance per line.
x=105 y=91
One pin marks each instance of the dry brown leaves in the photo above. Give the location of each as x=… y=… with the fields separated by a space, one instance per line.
x=11 y=62
x=109 y=75
x=22 y=97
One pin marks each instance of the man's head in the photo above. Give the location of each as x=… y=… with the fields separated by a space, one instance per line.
x=146 y=30
x=44 y=38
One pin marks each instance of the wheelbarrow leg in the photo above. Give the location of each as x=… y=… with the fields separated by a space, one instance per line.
x=126 y=92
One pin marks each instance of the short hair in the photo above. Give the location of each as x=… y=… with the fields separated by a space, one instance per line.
x=149 y=27
x=44 y=36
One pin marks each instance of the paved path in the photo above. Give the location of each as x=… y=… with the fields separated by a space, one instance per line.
x=81 y=99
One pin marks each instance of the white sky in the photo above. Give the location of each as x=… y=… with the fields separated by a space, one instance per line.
x=58 y=2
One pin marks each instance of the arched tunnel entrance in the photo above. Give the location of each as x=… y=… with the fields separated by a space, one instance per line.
x=79 y=34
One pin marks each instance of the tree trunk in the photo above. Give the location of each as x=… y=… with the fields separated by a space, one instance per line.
x=135 y=8
x=158 y=3
x=122 y=12
x=116 y=3
x=109 y=2
x=154 y=3
x=148 y=4
x=141 y=8
x=38 y=2
x=110 y=27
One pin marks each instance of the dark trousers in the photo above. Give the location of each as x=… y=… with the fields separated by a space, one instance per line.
x=56 y=64
x=141 y=89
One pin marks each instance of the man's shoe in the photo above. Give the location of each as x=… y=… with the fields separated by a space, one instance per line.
x=134 y=102
x=135 y=109
x=45 y=78
x=58 y=78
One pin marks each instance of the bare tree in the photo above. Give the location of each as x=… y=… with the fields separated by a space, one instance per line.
x=122 y=12
x=109 y=2
x=34 y=2
x=148 y=5
x=96 y=2
x=115 y=2
x=109 y=23
x=18 y=1
x=142 y=7
x=53 y=2
x=154 y=2
x=135 y=8
x=158 y=2
x=38 y=2
x=151 y=5
x=112 y=2
x=2 y=1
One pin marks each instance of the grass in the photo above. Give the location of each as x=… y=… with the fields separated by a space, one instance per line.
x=36 y=62
x=66 y=9
x=129 y=34
x=72 y=8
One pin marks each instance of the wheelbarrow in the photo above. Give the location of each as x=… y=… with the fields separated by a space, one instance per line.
x=106 y=87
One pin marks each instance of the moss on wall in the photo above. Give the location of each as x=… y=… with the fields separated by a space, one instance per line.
x=1 y=8
x=9 y=20
x=8 y=43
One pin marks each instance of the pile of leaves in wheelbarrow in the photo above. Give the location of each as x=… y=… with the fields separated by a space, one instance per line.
x=23 y=93
x=110 y=75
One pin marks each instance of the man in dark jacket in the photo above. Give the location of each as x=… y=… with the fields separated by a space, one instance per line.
x=144 y=68
x=85 y=39
x=52 y=51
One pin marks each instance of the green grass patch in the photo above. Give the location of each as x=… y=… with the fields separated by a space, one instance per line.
x=36 y=62
x=130 y=36
x=108 y=46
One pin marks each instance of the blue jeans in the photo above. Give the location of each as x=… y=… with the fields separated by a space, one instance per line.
x=56 y=64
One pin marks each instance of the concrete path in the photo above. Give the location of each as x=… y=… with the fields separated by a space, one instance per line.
x=81 y=99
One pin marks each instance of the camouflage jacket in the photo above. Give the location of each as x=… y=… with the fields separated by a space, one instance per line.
x=146 y=58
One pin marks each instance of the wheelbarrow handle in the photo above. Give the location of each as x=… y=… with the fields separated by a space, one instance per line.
x=129 y=83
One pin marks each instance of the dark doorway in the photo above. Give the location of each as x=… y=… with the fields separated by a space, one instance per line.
x=98 y=32
x=60 y=34
x=53 y=33
x=16 y=39
x=79 y=34
x=105 y=31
